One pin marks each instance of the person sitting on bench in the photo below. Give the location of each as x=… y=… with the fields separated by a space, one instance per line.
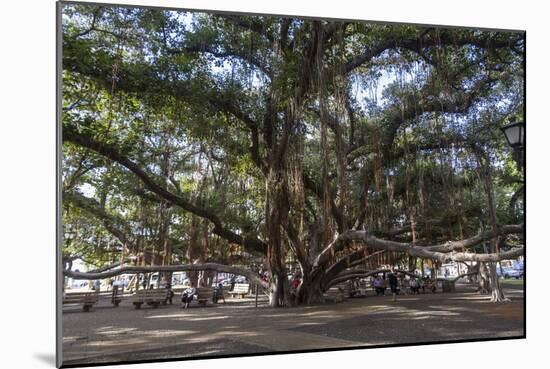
x=187 y=297
x=378 y=285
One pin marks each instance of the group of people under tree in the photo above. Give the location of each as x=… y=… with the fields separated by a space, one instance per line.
x=397 y=284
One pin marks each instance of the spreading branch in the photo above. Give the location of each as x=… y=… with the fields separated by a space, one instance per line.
x=443 y=253
x=250 y=275
x=70 y=134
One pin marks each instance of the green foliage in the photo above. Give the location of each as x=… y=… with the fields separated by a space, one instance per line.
x=183 y=96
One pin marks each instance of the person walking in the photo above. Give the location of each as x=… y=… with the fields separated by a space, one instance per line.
x=392 y=279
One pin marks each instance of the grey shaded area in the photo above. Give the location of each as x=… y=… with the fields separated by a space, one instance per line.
x=49 y=358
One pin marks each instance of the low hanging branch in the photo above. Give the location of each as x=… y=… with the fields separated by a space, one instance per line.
x=443 y=253
x=252 y=276
x=108 y=267
x=352 y=259
x=477 y=239
x=363 y=273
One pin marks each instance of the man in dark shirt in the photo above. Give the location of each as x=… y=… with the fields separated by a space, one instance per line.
x=392 y=279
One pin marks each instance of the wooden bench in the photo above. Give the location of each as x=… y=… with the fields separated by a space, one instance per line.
x=87 y=299
x=240 y=289
x=150 y=297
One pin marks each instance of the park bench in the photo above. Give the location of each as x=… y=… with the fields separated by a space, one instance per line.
x=87 y=299
x=152 y=297
x=202 y=295
x=240 y=289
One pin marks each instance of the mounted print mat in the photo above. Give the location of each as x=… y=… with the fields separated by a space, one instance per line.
x=241 y=184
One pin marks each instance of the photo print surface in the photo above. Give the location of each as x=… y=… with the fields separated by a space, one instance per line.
x=240 y=184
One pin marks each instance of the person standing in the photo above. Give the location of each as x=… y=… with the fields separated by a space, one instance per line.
x=420 y=283
x=169 y=294
x=392 y=279
x=97 y=286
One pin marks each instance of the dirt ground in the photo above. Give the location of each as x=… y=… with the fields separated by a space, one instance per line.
x=108 y=334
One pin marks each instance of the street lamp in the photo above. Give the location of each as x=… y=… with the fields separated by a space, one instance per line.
x=515 y=135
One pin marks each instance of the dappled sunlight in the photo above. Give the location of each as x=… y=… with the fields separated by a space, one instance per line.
x=425 y=317
x=210 y=352
x=114 y=331
x=310 y=323
x=188 y=317
x=198 y=319
x=401 y=299
x=472 y=298
x=113 y=343
x=318 y=314
x=239 y=333
x=447 y=308
x=432 y=313
x=70 y=339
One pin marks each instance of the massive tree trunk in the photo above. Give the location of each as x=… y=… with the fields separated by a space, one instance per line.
x=497 y=294
x=276 y=214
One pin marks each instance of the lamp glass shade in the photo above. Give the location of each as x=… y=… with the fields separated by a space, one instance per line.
x=514 y=134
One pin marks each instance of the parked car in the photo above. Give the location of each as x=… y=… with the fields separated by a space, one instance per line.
x=241 y=279
x=509 y=273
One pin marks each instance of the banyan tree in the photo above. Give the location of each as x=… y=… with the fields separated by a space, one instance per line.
x=222 y=141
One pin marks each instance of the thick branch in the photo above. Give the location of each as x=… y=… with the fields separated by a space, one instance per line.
x=476 y=240
x=421 y=251
x=116 y=226
x=419 y=45
x=347 y=262
x=70 y=134
x=249 y=23
x=362 y=273
x=252 y=276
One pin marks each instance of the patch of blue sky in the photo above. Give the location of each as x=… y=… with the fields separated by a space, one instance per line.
x=87 y=190
x=369 y=89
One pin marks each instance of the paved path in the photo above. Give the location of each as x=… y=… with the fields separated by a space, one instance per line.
x=123 y=334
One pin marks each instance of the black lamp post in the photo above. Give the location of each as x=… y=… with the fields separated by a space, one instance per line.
x=515 y=135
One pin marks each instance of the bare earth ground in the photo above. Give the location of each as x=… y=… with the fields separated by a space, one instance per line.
x=108 y=334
